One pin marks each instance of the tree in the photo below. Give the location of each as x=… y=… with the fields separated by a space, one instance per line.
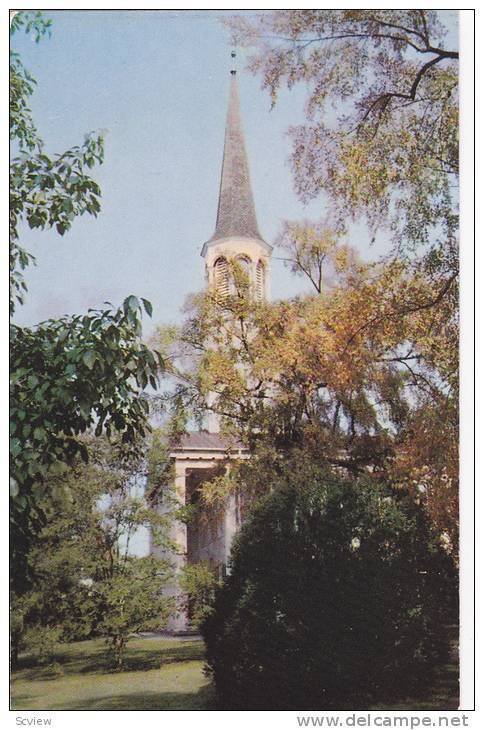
x=426 y=442
x=347 y=374
x=69 y=376
x=315 y=251
x=381 y=136
x=76 y=373
x=84 y=580
x=132 y=601
x=198 y=582
x=337 y=597
x=45 y=191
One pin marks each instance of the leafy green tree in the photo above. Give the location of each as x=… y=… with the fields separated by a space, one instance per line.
x=338 y=596
x=69 y=376
x=131 y=600
x=76 y=373
x=84 y=581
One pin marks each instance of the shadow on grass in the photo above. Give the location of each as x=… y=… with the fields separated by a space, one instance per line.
x=92 y=657
x=75 y=659
x=202 y=700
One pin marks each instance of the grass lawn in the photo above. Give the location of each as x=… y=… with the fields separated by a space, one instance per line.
x=160 y=674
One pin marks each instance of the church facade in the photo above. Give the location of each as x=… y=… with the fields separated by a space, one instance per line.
x=199 y=455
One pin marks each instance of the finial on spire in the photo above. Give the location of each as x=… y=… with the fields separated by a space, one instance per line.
x=233 y=70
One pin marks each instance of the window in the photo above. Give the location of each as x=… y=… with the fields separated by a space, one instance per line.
x=221 y=277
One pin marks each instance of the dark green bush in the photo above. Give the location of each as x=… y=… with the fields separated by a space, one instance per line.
x=338 y=597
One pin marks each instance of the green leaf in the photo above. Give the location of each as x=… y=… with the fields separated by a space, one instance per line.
x=89 y=358
x=148 y=306
x=131 y=304
x=15 y=447
x=85 y=410
x=39 y=433
x=13 y=487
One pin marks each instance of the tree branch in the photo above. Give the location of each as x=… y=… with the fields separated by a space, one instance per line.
x=384 y=99
x=402 y=312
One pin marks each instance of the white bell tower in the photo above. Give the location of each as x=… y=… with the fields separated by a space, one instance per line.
x=236 y=234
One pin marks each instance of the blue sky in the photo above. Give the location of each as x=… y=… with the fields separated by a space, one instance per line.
x=157 y=82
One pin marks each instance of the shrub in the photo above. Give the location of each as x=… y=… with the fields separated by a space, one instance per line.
x=338 y=596
x=42 y=643
x=198 y=582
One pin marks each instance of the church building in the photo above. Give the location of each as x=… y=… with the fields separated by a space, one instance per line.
x=199 y=455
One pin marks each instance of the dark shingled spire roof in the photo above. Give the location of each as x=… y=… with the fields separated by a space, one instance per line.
x=236 y=212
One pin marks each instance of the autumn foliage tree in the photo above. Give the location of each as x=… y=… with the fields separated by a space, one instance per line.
x=381 y=132
x=380 y=141
x=355 y=374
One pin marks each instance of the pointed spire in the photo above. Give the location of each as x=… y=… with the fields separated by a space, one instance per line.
x=236 y=211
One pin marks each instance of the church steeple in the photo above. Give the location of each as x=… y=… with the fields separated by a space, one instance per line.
x=236 y=212
x=236 y=235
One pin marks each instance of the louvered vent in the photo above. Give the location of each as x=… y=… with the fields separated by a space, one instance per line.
x=260 y=281
x=222 y=277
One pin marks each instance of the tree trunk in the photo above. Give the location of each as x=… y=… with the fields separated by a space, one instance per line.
x=14 y=649
x=119 y=644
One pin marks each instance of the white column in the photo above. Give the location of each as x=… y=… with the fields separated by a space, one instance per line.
x=230 y=525
x=178 y=534
x=212 y=420
x=231 y=522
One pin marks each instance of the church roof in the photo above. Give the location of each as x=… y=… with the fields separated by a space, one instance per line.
x=204 y=440
x=236 y=212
